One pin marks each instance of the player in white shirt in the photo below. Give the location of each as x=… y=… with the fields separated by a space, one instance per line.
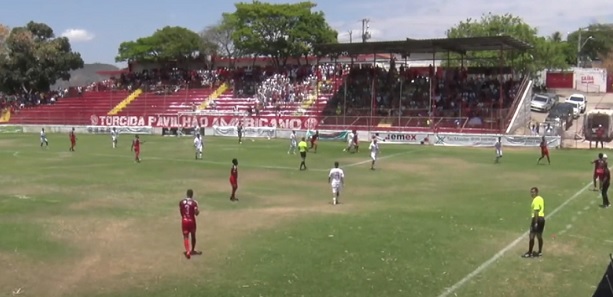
x=336 y=178
x=198 y=146
x=43 y=138
x=114 y=135
x=292 y=143
x=498 y=146
x=374 y=152
x=349 y=142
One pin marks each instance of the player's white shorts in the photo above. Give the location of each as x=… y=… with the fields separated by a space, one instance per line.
x=43 y=139
x=350 y=143
x=498 y=152
x=114 y=138
x=199 y=149
x=292 y=144
x=373 y=156
x=336 y=188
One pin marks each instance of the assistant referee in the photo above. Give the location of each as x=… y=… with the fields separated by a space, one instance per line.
x=537 y=223
x=303 y=147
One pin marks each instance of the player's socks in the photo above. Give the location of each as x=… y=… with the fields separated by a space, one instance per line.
x=334 y=200
x=186 y=245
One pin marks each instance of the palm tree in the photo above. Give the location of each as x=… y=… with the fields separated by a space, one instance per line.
x=556 y=37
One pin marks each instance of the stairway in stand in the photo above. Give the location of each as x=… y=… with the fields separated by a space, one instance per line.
x=222 y=89
x=125 y=102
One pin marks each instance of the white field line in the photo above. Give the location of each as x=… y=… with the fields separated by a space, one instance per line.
x=448 y=291
x=260 y=167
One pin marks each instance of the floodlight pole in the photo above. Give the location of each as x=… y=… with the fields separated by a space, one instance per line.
x=365 y=34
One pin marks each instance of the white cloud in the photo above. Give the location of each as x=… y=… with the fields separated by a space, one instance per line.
x=398 y=19
x=78 y=35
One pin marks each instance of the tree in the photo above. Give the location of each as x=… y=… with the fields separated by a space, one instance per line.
x=545 y=54
x=166 y=44
x=4 y=34
x=280 y=31
x=35 y=59
x=596 y=42
x=218 y=39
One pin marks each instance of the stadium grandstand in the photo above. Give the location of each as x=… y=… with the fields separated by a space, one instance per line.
x=348 y=86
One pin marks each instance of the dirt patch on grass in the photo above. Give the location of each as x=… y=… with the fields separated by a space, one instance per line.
x=123 y=253
x=8 y=143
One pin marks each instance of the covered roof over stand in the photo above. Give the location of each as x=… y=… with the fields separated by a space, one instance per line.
x=423 y=46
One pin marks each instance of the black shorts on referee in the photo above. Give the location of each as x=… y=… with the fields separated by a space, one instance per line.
x=303 y=155
x=540 y=225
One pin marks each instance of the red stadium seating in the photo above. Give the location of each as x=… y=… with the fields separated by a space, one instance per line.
x=70 y=111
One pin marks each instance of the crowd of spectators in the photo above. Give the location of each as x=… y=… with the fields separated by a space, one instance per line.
x=390 y=90
x=400 y=91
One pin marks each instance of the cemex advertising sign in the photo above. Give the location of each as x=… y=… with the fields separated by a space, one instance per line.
x=189 y=121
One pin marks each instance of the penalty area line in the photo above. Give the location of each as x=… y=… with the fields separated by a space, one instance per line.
x=448 y=291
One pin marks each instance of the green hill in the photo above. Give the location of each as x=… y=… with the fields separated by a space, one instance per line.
x=86 y=75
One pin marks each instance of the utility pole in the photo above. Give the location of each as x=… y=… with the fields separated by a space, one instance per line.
x=365 y=34
x=581 y=44
x=350 y=36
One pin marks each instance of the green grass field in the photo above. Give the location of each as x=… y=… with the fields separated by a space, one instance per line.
x=93 y=223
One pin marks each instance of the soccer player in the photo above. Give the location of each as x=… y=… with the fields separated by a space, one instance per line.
x=498 y=146
x=356 y=144
x=198 y=146
x=234 y=179
x=598 y=171
x=303 y=148
x=374 y=152
x=188 y=208
x=73 y=140
x=314 y=139
x=114 y=136
x=349 y=142
x=136 y=148
x=544 y=151
x=43 y=138
x=537 y=223
x=604 y=188
x=292 y=143
x=239 y=131
x=336 y=178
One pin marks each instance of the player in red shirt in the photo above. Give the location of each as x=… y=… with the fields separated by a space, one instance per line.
x=188 y=208
x=544 y=151
x=598 y=171
x=314 y=139
x=234 y=179
x=73 y=140
x=356 y=144
x=136 y=148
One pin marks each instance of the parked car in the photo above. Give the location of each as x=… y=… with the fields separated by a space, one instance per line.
x=580 y=99
x=562 y=113
x=542 y=102
x=576 y=109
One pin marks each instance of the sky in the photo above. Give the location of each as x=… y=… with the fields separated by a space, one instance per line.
x=96 y=28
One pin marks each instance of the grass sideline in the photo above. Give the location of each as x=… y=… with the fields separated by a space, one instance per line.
x=93 y=223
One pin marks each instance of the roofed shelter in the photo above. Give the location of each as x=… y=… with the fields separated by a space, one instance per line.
x=424 y=47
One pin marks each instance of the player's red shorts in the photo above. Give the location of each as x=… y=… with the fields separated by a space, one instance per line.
x=188 y=226
x=233 y=182
x=599 y=174
x=545 y=153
